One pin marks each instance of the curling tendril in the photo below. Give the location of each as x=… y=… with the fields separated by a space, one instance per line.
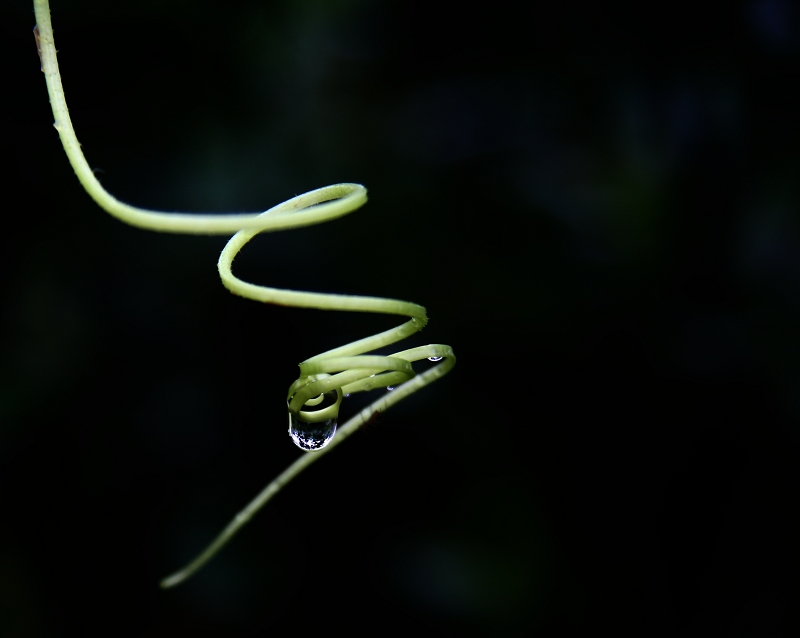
x=314 y=398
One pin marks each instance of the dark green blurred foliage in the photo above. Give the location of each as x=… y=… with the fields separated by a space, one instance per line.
x=598 y=205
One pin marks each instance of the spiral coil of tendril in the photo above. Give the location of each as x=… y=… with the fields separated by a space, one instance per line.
x=314 y=398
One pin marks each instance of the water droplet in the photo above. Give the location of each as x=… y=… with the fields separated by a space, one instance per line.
x=389 y=388
x=435 y=358
x=311 y=436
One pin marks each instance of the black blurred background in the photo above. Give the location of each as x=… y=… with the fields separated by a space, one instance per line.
x=596 y=201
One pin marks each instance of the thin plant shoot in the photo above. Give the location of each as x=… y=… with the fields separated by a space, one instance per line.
x=314 y=399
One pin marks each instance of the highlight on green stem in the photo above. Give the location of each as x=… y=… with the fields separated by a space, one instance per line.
x=314 y=399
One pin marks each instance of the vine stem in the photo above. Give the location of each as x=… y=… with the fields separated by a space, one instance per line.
x=339 y=199
x=304 y=461
x=355 y=373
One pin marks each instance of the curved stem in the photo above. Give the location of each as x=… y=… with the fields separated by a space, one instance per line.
x=353 y=371
x=280 y=481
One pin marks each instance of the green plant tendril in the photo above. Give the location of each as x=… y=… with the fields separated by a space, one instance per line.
x=316 y=395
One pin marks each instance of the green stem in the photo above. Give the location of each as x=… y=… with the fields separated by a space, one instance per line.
x=280 y=481
x=354 y=372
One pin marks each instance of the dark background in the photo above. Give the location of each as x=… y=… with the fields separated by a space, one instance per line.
x=596 y=201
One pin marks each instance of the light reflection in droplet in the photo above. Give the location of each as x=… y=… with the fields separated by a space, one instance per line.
x=311 y=436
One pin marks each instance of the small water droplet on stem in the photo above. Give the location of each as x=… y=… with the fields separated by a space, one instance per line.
x=311 y=436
